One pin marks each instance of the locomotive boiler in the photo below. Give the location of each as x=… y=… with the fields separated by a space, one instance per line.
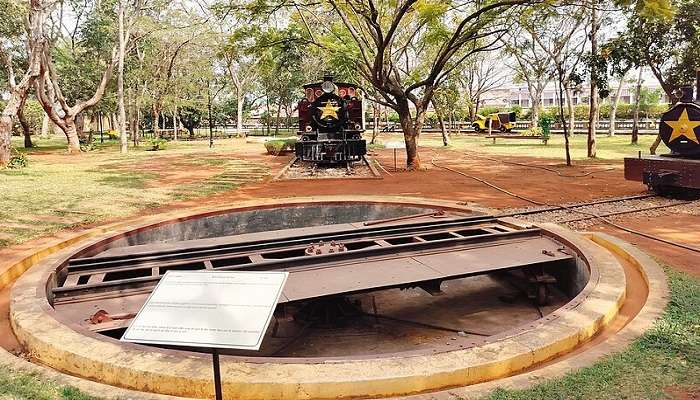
x=330 y=123
x=680 y=131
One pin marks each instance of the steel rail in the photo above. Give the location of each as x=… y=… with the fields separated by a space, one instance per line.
x=261 y=244
x=324 y=261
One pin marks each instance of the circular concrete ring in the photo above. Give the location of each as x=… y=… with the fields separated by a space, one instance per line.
x=146 y=369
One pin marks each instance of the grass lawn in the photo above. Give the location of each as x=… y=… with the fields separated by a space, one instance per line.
x=665 y=357
x=609 y=148
x=57 y=191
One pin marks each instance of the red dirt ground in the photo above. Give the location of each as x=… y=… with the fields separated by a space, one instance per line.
x=437 y=183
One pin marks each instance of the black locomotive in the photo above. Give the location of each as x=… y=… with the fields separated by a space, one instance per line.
x=330 y=123
x=680 y=131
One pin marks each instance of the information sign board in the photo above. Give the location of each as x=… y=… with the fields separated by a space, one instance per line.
x=215 y=309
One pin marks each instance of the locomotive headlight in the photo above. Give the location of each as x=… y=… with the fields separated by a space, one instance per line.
x=328 y=87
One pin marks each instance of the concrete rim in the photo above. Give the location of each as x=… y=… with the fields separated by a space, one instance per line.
x=154 y=371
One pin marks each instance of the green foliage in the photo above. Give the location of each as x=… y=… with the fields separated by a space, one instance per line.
x=157 y=144
x=545 y=123
x=18 y=160
x=518 y=110
x=34 y=114
x=536 y=131
x=277 y=147
x=485 y=111
x=661 y=34
x=191 y=118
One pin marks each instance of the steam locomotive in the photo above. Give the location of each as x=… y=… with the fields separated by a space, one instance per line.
x=680 y=131
x=330 y=123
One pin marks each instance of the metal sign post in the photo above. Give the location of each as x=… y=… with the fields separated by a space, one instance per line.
x=217 y=374
x=210 y=309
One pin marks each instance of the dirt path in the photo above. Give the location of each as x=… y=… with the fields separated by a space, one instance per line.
x=437 y=183
x=683 y=228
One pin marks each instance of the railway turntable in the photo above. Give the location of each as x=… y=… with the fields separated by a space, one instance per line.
x=385 y=297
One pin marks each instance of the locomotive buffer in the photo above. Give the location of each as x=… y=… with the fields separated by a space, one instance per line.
x=680 y=131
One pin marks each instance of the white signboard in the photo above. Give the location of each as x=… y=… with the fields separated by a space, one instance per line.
x=218 y=309
x=395 y=144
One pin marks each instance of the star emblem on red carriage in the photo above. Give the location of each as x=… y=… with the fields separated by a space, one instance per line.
x=683 y=126
x=329 y=111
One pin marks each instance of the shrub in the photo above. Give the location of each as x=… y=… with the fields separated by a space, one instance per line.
x=157 y=144
x=113 y=134
x=18 y=160
x=277 y=147
x=536 y=131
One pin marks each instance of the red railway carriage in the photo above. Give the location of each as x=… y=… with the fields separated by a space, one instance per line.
x=330 y=123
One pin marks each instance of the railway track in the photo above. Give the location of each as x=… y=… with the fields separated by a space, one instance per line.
x=580 y=209
x=590 y=211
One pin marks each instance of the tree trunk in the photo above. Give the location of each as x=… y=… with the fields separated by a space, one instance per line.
x=6 y=137
x=572 y=110
x=80 y=125
x=411 y=131
x=156 y=117
x=635 y=124
x=175 y=123
x=567 y=149
x=375 y=123
x=593 y=112
x=616 y=102
x=71 y=132
x=25 y=126
x=121 y=119
x=239 y=115
x=443 y=130
x=277 y=118
x=45 y=124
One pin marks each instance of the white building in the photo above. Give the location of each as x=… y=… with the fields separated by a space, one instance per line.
x=517 y=94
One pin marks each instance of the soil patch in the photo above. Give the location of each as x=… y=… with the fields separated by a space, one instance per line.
x=684 y=228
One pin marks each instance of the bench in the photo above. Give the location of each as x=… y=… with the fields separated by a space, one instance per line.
x=536 y=137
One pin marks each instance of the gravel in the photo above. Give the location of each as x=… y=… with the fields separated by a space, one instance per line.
x=561 y=216
x=305 y=170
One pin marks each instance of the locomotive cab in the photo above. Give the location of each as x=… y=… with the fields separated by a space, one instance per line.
x=330 y=123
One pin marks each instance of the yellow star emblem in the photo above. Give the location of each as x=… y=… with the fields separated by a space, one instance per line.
x=683 y=127
x=329 y=111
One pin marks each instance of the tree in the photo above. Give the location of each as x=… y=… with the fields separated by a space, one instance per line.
x=477 y=77
x=556 y=31
x=446 y=102
x=657 y=37
x=594 y=80
x=78 y=71
x=532 y=66
x=242 y=68
x=35 y=42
